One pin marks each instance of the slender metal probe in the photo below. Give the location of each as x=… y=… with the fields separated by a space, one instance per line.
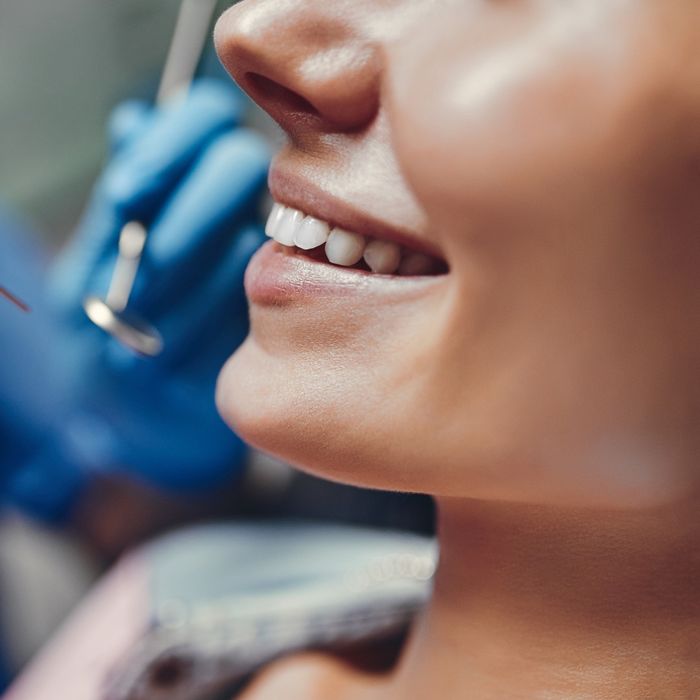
x=14 y=299
x=188 y=40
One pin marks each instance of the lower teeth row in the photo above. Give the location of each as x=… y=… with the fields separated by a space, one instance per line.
x=290 y=227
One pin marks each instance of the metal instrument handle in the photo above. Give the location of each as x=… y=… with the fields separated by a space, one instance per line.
x=185 y=50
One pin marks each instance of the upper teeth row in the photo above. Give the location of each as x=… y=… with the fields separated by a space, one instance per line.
x=290 y=227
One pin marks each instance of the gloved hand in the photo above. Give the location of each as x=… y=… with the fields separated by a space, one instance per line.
x=31 y=393
x=194 y=177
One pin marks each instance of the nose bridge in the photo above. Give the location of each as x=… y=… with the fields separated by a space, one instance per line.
x=305 y=58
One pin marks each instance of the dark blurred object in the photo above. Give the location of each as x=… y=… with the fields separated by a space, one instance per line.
x=202 y=609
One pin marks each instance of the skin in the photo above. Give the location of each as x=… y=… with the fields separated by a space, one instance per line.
x=545 y=390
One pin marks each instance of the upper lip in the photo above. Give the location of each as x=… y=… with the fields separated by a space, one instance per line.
x=309 y=198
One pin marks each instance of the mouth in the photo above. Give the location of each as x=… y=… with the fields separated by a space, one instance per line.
x=307 y=236
x=323 y=248
x=305 y=224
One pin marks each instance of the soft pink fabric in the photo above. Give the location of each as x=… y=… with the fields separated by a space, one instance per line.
x=75 y=662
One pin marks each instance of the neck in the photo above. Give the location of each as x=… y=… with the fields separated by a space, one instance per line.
x=533 y=603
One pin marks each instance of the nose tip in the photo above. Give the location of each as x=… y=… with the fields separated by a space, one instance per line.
x=304 y=67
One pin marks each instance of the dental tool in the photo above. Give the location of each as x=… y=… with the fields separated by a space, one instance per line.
x=14 y=300
x=110 y=313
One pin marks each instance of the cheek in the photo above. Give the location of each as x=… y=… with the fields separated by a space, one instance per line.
x=529 y=146
x=511 y=111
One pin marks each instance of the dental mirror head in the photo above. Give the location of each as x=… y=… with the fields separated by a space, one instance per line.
x=110 y=314
x=127 y=328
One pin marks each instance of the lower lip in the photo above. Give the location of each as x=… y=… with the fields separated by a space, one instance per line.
x=277 y=276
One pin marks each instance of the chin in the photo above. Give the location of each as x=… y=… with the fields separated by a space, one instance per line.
x=281 y=407
x=320 y=426
x=331 y=378
x=248 y=398
x=268 y=407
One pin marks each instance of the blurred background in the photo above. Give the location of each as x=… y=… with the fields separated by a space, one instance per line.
x=64 y=65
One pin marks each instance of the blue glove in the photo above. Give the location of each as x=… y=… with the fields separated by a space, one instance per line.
x=194 y=177
x=34 y=394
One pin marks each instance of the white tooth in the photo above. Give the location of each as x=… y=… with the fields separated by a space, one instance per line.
x=382 y=257
x=311 y=233
x=287 y=226
x=344 y=248
x=416 y=264
x=273 y=221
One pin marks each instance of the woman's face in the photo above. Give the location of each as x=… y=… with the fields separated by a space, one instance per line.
x=546 y=153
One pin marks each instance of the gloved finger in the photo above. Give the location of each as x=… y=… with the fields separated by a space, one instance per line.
x=143 y=172
x=46 y=491
x=126 y=122
x=76 y=272
x=195 y=227
x=152 y=164
x=217 y=308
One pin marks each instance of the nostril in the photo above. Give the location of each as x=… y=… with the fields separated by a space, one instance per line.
x=276 y=98
x=313 y=71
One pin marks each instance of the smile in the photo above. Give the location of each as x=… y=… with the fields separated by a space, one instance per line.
x=321 y=241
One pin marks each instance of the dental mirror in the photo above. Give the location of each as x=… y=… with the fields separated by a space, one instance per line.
x=110 y=314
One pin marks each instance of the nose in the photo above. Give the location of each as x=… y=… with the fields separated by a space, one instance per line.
x=306 y=62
